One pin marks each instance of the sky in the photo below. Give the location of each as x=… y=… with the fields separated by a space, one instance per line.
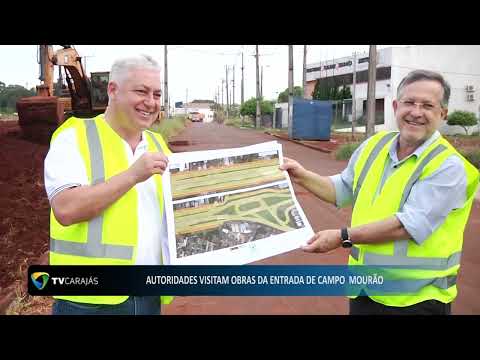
x=194 y=71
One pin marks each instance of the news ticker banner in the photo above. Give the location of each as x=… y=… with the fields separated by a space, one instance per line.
x=203 y=280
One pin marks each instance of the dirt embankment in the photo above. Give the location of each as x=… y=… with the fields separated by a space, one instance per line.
x=24 y=211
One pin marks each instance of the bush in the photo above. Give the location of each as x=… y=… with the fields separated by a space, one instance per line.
x=344 y=152
x=463 y=119
x=169 y=127
x=249 y=107
x=473 y=156
x=238 y=122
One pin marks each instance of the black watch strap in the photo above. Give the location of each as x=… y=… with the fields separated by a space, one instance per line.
x=346 y=241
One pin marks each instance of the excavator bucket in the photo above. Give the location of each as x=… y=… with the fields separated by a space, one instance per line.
x=39 y=116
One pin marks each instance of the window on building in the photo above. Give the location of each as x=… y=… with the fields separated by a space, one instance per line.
x=362 y=60
x=383 y=73
x=346 y=63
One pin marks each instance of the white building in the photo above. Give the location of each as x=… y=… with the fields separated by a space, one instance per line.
x=200 y=107
x=459 y=64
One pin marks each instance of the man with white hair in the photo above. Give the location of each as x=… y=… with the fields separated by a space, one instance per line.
x=103 y=178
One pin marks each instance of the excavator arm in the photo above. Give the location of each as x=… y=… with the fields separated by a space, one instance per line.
x=77 y=81
x=40 y=115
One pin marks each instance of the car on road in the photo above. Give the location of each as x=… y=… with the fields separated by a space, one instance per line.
x=196 y=117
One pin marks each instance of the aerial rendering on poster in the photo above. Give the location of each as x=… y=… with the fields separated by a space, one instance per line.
x=228 y=173
x=231 y=206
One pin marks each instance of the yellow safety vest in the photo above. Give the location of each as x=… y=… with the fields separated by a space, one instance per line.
x=432 y=267
x=110 y=238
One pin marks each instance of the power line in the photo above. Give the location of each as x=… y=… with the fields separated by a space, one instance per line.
x=205 y=51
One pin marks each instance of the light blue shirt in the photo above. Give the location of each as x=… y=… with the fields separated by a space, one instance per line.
x=430 y=200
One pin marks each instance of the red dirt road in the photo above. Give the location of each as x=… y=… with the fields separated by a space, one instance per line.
x=321 y=216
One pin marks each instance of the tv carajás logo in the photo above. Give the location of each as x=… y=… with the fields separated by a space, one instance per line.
x=40 y=279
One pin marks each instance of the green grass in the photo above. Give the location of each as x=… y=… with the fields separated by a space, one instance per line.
x=275 y=200
x=7 y=111
x=265 y=214
x=228 y=211
x=249 y=206
x=344 y=152
x=169 y=127
x=464 y=136
x=237 y=122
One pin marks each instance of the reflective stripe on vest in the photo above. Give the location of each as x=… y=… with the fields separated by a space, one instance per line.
x=414 y=286
x=94 y=247
x=371 y=158
x=400 y=246
x=157 y=144
x=423 y=263
x=400 y=256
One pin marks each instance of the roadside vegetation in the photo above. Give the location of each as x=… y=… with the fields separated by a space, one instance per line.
x=9 y=94
x=170 y=126
x=473 y=156
x=344 y=152
x=463 y=119
x=238 y=122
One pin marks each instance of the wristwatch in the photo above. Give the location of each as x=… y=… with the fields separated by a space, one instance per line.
x=346 y=240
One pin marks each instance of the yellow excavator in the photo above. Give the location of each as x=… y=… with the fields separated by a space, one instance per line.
x=40 y=115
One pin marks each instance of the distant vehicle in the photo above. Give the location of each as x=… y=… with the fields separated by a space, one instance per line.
x=196 y=117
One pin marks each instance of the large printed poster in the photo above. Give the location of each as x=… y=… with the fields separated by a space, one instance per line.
x=231 y=206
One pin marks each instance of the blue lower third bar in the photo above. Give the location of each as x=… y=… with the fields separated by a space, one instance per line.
x=204 y=280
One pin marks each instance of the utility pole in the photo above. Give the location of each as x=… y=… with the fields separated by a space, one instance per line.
x=226 y=86
x=257 y=117
x=222 y=92
x=233 y=86
x=261 y=82
x=242 y=80
x=372 y=80
x=304 y=70
x=354 y=102
x=290 y=91
x=186 y=102
x=165 y=95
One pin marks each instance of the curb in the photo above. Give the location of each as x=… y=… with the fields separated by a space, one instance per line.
x=328 y=151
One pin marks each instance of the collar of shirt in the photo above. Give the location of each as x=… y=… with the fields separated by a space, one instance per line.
x=393 y=148
x=142 y=145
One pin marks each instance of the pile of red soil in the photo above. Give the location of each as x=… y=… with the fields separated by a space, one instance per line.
x=24 y=207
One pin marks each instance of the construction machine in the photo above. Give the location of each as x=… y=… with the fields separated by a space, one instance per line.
x=40 y=115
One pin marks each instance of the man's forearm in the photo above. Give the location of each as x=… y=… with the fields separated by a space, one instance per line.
x=86 y=202
x=379 y=231
x=321 y=186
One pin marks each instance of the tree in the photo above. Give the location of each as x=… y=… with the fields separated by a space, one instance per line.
x=297 y=92
x=463 y=119
x=345 y=93
x=10 y=94
x=328 y=90
x=322 y=91
x=249 y=107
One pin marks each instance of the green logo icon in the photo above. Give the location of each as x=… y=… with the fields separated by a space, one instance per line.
x=40 y=279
